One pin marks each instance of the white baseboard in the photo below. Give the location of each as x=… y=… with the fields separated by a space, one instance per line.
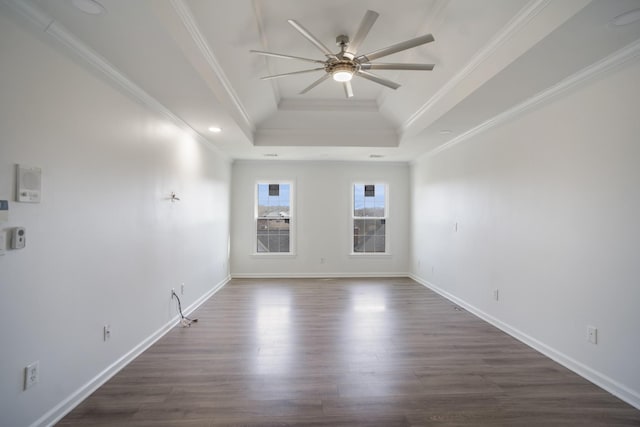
x=313 y=275
x=73 y=400
x=619 y=390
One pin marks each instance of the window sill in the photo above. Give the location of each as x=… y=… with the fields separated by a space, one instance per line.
x=370 y=254
x=273 y=255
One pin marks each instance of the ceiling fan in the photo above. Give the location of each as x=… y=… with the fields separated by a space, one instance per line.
x=342 y=66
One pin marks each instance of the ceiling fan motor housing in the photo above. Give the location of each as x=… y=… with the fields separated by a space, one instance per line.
x=347 y=65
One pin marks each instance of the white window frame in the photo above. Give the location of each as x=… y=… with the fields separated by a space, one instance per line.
x=386 y=217
x=292 y=222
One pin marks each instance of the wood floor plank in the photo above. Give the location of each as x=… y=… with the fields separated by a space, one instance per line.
x=343 y=352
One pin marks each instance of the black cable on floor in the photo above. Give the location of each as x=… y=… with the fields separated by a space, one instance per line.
x=183 y=319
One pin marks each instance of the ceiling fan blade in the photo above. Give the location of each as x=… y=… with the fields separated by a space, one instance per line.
x=314 y=84
x=395 y=66
x=384 y=82
x=317 y=43
x=279 y=55
x=398 y=47
x=275 y=76
x=367 y=22
x=348 y=90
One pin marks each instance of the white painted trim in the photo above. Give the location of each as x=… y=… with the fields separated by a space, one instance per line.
x=190 y=24
x=324 y=163
x=315 y=275
x=326 y=137
x=257 y=13
x=273 y=255
x=523 y=17
x=370 y=254
x=619 y=390
x=354 y=105
x=63 y=408
x=74 y=45
x=605 y=65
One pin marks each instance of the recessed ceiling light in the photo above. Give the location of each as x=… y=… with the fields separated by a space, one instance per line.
x=375 y=156
x=215 y=129
x=92 y=7
x=626 y=18
x=271 y=155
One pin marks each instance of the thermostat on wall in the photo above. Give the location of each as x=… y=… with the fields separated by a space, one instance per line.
x=28 y=184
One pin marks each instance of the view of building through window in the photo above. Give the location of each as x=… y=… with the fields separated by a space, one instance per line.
x=369 y=218
x=273 y=217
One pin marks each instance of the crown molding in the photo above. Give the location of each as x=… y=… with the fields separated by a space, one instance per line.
x=189 y=22
x=617 y=59
x=524 y=16
x=71 y=43
x=327 y=137
x=352 y=105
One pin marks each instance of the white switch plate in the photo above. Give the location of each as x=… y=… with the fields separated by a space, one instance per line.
x=31 y=374
x=592 y=334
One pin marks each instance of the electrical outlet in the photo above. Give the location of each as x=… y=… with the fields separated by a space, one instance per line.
x=592 y=334
x=496 y=294
x=31 y=374
x=106 y=332
x=182 y=289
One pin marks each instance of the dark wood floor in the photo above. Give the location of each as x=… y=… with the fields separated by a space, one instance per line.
x=344 y=352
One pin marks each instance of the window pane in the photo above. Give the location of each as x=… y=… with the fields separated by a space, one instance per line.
x=273 y=222
x=369 y=224
x=263 y=243
x=368 y=203
x=358 y=235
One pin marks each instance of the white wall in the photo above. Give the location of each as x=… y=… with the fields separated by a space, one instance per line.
x=104 y=246
x=323 y=211
x=547 y=208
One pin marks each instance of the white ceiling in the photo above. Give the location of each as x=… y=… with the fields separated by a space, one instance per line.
x=190 y=59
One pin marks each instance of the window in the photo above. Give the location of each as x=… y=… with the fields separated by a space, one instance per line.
x=369 y=218
x=273 y=218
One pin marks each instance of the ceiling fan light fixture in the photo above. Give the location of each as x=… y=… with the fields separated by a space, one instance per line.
x=342 y=71
x=343 y=65
x=342 y=76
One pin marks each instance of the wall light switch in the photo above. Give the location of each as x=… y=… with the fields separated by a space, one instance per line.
x=592 y=334
x=31 y=374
